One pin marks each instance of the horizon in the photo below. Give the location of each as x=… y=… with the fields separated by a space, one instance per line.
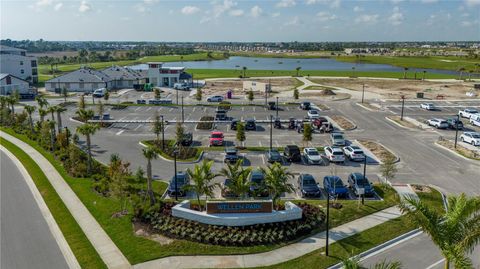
x=237 y=21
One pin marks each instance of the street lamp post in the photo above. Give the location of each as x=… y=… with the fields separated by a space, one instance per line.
x=363 y=92
x=183 y=114
x=364 y=176
x=271 y=130
x=175 y=171
x=456 y=129
x=327 y=223
x=163 y=133
x=276 y=107
x=403 y=106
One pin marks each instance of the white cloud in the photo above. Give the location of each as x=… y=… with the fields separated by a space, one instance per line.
x=149 y=2
x=397 y=17
x=325 y=16
x=429 y=1
x=189 y=10
x=465 y=14
x=310 y=2
x=472 y=2
x=396 y=1
x=367 y=18
x=331 y=3
x=236 y=12
x=469 y=23
x=43 y=3
x=286 y=3
x=294 y=21
x=256 y=11
x=335 y=4
x=276 y=14
x=225 y=6
x=140 y=8
x=58 y=6
x=84 y=7
x=358 y=9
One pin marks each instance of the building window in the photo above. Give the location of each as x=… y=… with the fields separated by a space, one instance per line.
x=21 y=62
x=34 y=63
x=34 y=72
x=22 y=71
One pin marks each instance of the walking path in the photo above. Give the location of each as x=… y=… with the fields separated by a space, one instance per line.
x=113 y=257
x=105 y=247
x=283 y=254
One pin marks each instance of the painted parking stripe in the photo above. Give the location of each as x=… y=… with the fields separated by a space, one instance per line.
x=160 y=109
x=136 y=109
x=148 y=109
x=253 y=109
x=170 y=110
x=138 y=127
x=435 y=264
x=287 y=108
x=120 y=132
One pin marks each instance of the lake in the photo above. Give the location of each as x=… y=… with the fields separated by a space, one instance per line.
x=255 y=63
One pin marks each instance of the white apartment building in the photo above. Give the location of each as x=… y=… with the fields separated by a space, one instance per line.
x=161 y=76
x=10 y=83
x=15 y=62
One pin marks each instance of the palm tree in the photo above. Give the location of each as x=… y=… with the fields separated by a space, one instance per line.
x=88 y=129
x=51 y=125
x=12 y=100
x=239 y=183
x=354 y=263
x=150 y=153
x=456 y=231
x=202 y=176
x=424 y=72
x=461 y=69
x=3 y=106
x=353 y=71
x=60 y=110
x=42 y=113
x=85 y=115
x=244 y=71
x=42 y=102
x=276 y=181
x=298 y=69
x=52 y=110
x=30 y=109
x=101 y=109
x=405 y=69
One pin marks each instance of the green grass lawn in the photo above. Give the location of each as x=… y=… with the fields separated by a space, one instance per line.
x=433 y=62
x=138 y=249
x=83 y=250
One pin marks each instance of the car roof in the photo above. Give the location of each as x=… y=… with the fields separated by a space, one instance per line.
x=355 y=147
x=303 y=176
x=357 y=175
x=471 y=133
x=256 y=172
x=216 y=132
x=336 y=149
x=291 y=146
x=230 y=149
x=311 y=149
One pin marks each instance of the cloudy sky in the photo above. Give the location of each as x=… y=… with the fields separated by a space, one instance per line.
x=230 y=20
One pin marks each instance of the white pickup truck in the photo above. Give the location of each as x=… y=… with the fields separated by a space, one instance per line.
x=468 y=113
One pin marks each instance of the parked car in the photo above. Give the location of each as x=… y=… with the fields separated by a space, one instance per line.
x=257 y=184
x=292 y=153
x=471 y=138
x=181 y=86
x=231 y=155
x=337 y=139
x=141 y=101
x=334 y=186
x=215 y=98
x=226 y=191
x=357 y=181
x=438 y=123
x=305 y=105
x=453 y=123
x=187 y=139
x=272 y=155
x=308 y=186
x=354 y=153
x=313 y=114
x=182 y=180
x=250 y=125
x=99 y=92
x=216 y=138
x=312 y=156
x=272 y=105
x=475 y=120
x=334 y=154
x=221 y=115
x=428 y=106
x=468 y=112
x=233 y=124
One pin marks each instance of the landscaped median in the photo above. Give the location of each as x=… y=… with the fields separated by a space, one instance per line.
x=378 y=150
x=343 y=123
x=402 y=122
x=184 y=153
x=460 y=149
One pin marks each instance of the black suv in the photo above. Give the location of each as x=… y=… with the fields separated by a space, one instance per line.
x=187 y=139
x=292 y=153
x=233 y=125
x=452 y=124
x=231 y=155
x=250 y=125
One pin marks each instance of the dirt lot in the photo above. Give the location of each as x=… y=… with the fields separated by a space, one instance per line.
x=377 y=149
x=222 y=86
x=396 y=88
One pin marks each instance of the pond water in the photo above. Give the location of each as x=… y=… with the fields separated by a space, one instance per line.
x=254 y=63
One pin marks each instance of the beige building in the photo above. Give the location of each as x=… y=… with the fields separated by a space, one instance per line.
x=256 y=86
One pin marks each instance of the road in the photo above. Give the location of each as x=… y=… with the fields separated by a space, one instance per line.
x=26 y=240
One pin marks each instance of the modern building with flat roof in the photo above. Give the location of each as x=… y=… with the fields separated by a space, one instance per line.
x=16 y=62
x=162 y=76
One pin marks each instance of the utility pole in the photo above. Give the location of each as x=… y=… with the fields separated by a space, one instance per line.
x=163 y=133
x=175 y=170
x=276 y=107
x=327 y=223
x=183 y=114
x=456 y=129
x=403 y=105
x=363 y=92
x=364 y=176
x=177 y=96
x=271 y=131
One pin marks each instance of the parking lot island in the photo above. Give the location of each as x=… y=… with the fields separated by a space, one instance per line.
x=252 y=212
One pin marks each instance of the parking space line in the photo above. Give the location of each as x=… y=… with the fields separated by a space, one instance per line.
x=125 y=126
x=253 y=109
x=260 y=143
x=170 y=110
x=136 y=109
x=276 y=144
x=138 y=127
x=120 y=132
x=435 y=264
x=194 y=109
x=254 y=118
x=148 y=109
x=287 y=108
x=263 y=158
x=160 y=109
x=243 y=108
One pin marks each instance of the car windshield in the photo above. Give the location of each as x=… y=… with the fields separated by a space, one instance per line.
x=337 y=137
x=313 y=112
x=257 y=179
x=309 y=181
x=338 y=183
x=274 y=153
x=216 y=136
x=180 y=179
x=362 y=182
x=313 y=153
x=337 y=153
x=232 y=152
x=476 y=135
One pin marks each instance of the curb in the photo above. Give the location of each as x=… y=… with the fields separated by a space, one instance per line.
x=369 y=109
x=338 y=126
x=77 y=121
x=57 y=234
x=168 y=160
x=454 y=152
x=399 y=125
x=397 y=159
x=382 y=247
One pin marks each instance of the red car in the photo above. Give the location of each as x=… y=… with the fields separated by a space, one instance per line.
x=216 y=139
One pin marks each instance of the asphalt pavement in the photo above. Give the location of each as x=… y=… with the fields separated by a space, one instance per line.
x=26 y=240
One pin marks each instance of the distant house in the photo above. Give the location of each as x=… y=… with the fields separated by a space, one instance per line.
x=88 y=80
x=162 y=76
x=17 y=63
x=10 y=83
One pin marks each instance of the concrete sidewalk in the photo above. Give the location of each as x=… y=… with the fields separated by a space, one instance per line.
x=105 y=247
x=276 y=256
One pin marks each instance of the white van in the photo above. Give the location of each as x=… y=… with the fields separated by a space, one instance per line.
x=99 y=92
